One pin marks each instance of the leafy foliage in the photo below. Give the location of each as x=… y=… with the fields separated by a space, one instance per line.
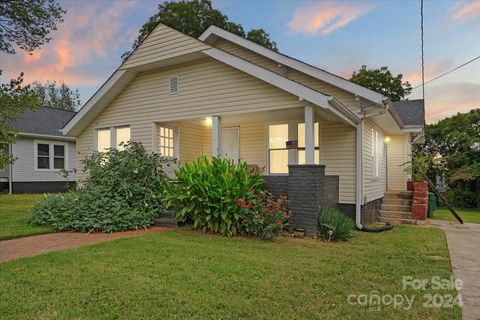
x=382 y=81
x=206 y=193
x=193 y=18
x=455 y=142
x=15 y=99
x=124 y=191
x=27 y=23
x=264 y=215
x=420 y=164
x=334 y=225
x=57 y=96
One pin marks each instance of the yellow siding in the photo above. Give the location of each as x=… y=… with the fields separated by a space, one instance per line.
x=252 y=143
x=373 y=187
x=338 y=147
x=190 y=141
x=397 y=155
x=347 y=98
x=164 y=42
x=207 y=87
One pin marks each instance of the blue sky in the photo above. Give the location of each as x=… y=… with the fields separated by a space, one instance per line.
x=338 y=36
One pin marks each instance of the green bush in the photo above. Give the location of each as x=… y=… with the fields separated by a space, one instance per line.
x=124 y=191
x=264 y=215
x=334 y=225
x=207 y=191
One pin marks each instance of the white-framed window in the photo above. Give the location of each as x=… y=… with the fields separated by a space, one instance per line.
x=277 y=150
x=167 y=141
x=301 y=143
x=376 y=152
x=50 y=156
x=112 y=137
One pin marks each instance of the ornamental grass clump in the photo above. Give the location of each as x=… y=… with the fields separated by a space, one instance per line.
x=333 y=225
x=124 y=190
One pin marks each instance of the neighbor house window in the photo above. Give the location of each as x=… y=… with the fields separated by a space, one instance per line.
x=166 y=141
x=50 y=155
x=277 y=151
x=104 y=138
x=301 y=143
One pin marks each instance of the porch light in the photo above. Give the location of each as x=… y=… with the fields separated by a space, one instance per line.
x=207 y=122
x=387 y=139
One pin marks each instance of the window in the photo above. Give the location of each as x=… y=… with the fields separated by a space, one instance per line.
x=173 y=85
x=50 y=155
x=301 y=143
x=105 y=141
x=166 y=141
x=277 y=151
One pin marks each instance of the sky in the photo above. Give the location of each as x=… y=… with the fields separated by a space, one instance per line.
x=337 y=36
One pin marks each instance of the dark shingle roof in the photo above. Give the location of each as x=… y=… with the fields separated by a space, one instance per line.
x=412 y=112
x=45 y=120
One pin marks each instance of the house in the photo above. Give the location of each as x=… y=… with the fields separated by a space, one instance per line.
x=320 y=138
x=41 y=152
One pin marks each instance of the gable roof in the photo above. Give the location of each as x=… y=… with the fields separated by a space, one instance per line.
x=212 y=33
x=411 y=112
x=45 y=121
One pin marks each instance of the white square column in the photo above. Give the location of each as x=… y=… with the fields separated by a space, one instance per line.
x=309 y=135
x=216 y=136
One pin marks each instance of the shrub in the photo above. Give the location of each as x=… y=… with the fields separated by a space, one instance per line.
x=206 y=193
x=264 y=215
x=124 y=190
x=334 y=225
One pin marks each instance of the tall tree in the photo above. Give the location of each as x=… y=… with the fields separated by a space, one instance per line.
x=382 y=81
x=27 y=23
x=59 y=96
x=193 y=18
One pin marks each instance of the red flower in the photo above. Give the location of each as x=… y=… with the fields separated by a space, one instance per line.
x=262 y=213
x=249 y=205
x=280 y=221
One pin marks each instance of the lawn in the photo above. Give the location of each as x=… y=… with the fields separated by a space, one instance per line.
x=184 y=274
x=13 y=216
x=468 y=215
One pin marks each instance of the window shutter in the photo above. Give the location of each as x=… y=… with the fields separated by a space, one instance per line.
x=173 y=85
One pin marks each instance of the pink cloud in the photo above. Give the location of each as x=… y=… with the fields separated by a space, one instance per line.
x=326 y=17
x=431 y=71
x=467 y=11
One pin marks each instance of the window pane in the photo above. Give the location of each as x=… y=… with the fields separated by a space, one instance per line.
x=301 y=134
x=43 y=149
x=123 y=135
x=43 y=163
x=301 y=156
x=278 y=161
x=277 y=135
x=58 y=151
x=103 y=140
x=59 y=163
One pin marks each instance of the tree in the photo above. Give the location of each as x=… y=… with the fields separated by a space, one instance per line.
x=382 y=81
x=15 y=99
x=27 y=23
x=456 y=142
x=193 y=18
x=60 y=97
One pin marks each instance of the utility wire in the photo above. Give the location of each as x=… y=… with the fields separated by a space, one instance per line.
x=449 y=71
x=423 y=59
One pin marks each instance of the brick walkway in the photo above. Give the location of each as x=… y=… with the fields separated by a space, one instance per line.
x=35 y=245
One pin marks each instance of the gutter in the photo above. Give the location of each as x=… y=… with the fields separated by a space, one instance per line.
x=45 y=136
x=10 y=172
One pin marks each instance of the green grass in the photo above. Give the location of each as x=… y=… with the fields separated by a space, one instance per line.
x=468 y=215
x=13 y=216
x=183 y=274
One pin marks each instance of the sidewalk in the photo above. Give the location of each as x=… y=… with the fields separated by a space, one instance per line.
x=35 y=245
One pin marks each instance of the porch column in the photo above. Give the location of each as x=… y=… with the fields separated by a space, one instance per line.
x=309 y=135
x=216 y=136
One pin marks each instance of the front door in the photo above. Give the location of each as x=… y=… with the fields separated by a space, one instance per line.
x=231 y=143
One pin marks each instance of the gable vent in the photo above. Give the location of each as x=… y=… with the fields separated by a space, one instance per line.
x=173 y=85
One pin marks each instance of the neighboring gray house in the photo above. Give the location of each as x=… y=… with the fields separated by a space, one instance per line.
x=41 y=152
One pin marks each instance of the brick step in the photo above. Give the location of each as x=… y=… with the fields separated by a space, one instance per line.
x=395 y=214
x=399 y=221
x=396 y=207
x=166 y=222
x=397 y=201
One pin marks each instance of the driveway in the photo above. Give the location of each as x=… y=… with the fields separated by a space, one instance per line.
x=464 y=247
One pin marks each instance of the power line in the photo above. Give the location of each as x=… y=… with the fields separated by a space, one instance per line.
x=449 y=71
x=423 y=59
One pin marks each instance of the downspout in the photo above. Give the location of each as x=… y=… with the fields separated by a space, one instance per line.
x=10 y=171
x=358 y=175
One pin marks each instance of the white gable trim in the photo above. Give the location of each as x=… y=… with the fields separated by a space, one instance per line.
x=303 y=92
x=296 y=64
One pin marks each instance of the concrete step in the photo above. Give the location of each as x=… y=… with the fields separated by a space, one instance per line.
x=395 y=214
x=166 y=222
x=397 y=201
x=398 y=221
x=396 y=207
x=398 y=194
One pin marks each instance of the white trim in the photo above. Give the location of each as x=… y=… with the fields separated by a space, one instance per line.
x=309 y=135
x=216 y=136
x=295 y=64
x=46 y=136
x=51 y=155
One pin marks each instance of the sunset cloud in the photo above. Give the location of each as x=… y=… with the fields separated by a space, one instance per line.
x=431 y=71
x=326 y=17
x=467 y=11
